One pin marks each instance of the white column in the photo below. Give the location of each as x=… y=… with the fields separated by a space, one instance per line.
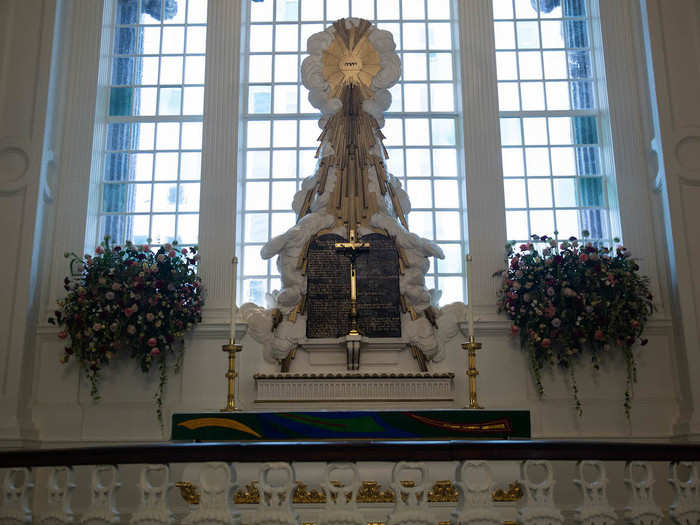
x=25 y=56
x=673 y=56
x=482 y=151
x=217 y=218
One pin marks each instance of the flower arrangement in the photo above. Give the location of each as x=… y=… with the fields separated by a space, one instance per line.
x=131 y=299
x=572 y=297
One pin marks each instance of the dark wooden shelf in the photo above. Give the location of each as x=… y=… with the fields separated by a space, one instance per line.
x=354 y=450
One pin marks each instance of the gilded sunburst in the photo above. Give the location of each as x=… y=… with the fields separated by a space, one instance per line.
x=350 y=60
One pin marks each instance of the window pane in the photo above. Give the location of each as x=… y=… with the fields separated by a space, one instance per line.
x=552 y=71
x=157 y=71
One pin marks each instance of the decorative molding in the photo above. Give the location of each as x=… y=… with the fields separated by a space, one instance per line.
x=351 y=387
x=688 y=156
x=14 y=164
x=250 y=495
x=371 y=492
x=302 y=496
x=513 y=493
x=189 y=492
x=443 y=492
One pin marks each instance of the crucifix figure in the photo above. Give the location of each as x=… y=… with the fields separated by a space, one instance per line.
x=352 y=249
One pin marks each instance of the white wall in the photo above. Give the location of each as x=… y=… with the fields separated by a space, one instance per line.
x=42 y=177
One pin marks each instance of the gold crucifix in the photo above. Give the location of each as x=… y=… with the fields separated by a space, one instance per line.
x=352 y=249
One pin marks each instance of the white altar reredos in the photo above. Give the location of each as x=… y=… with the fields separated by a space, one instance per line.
x=348 y=72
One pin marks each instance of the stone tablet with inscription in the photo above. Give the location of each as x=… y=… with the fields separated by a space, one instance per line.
x=328 y=288
x=378 y=295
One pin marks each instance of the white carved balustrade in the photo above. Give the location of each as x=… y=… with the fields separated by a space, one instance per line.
x=641 y=508
x=216 y=482
x=341 y=498
x=61 y=484
x=539 y=508
x=276 y=482
x=103 y=496
x=595 y=509
x=17 y=486
x=470 y=492
x=685 y=510
x=153 y=507
x=475 y=487
x=411 y=501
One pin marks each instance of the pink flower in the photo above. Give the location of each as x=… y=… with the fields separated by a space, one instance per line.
x=184 y=251
x=152 y=342
x=523 y=247
x=599 y=336
x=583 y=257
x=99 y=250
x=62 y=334
x=155 y=351
x=546 y=342
x=171 y=253
x=514 y=329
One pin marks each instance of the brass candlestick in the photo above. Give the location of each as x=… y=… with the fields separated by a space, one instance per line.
x=471 y=346
x=232 y=348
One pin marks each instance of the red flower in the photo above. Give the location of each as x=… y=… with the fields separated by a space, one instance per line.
x=514 y=329
x=546 y=343
x=599 y=336
x=152 y=342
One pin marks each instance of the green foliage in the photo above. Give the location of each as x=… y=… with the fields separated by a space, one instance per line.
x=129 y=300
x=574 y=297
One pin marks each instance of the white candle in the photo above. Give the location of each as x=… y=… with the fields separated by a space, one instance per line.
x=234 y=309
x=470 y=310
